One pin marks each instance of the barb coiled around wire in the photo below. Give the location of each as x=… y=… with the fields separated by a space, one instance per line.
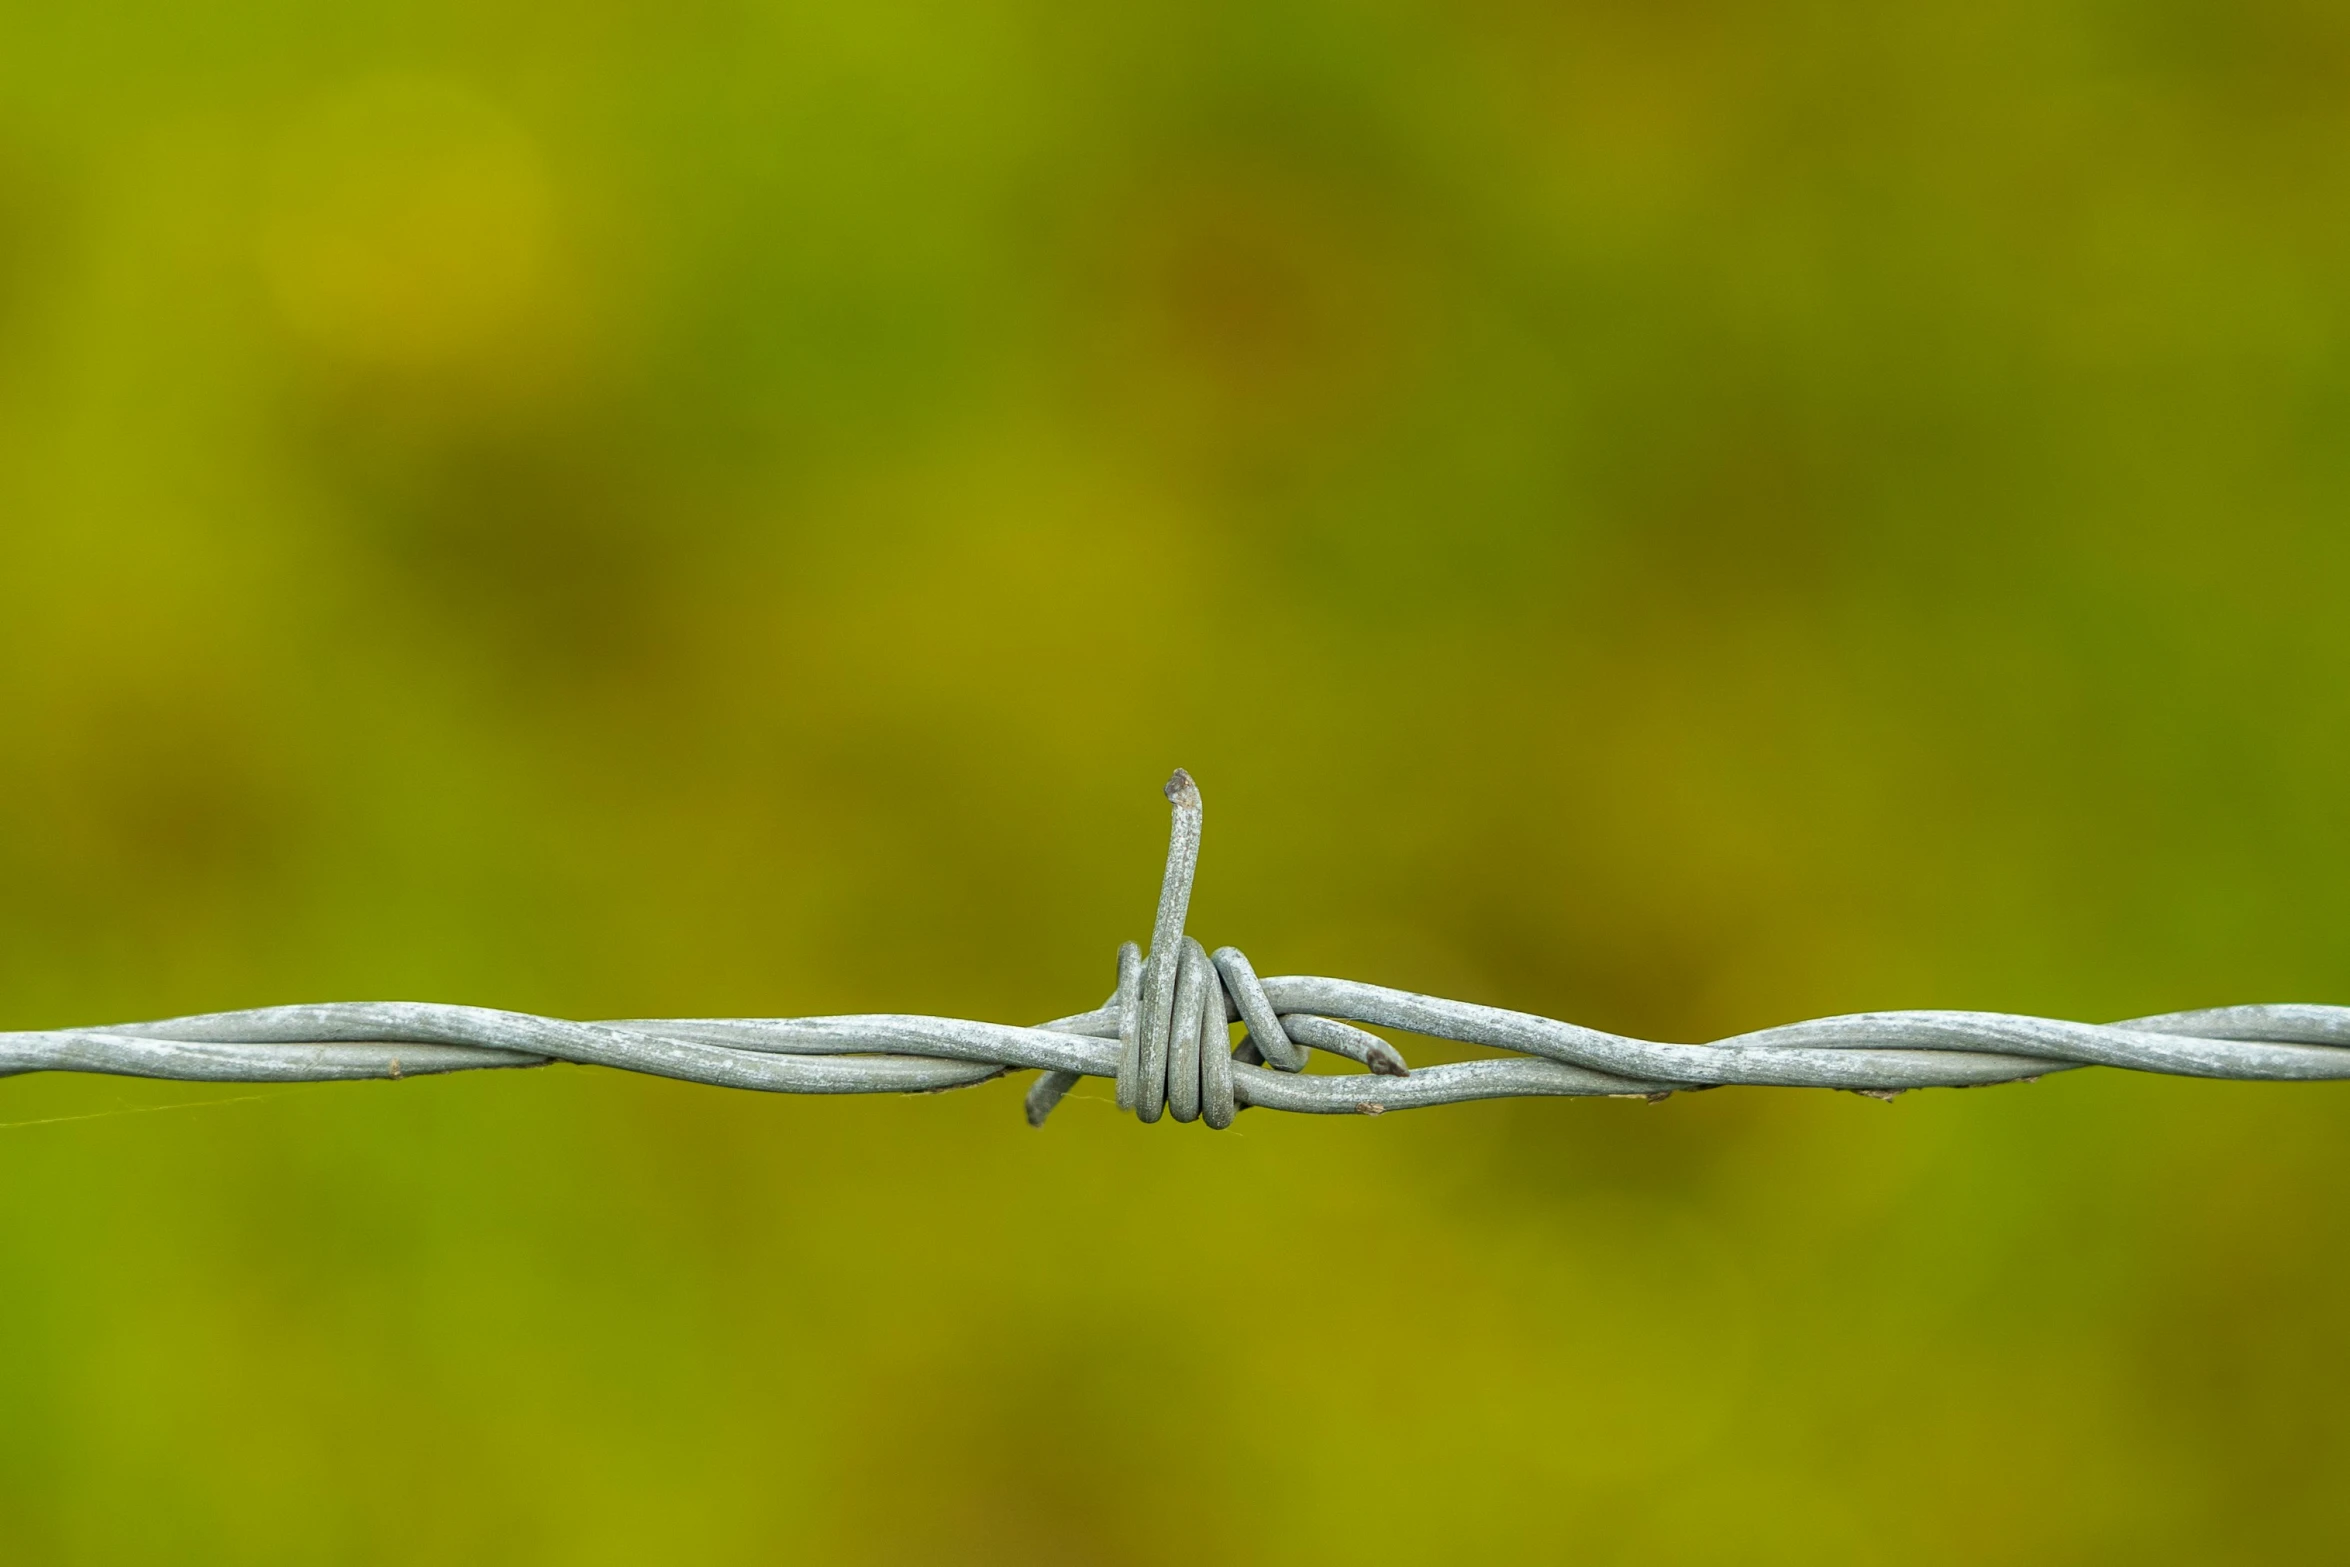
x=1164 y=1037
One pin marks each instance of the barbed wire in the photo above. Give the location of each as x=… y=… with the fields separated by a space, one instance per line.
x=1164 y=1037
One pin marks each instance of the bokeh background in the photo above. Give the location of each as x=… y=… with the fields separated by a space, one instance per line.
x=1679 y=516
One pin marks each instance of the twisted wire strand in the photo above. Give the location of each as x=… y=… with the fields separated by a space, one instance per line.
x=1163 y=1036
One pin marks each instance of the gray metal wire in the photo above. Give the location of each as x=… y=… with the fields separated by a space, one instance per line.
x=1164 y=1037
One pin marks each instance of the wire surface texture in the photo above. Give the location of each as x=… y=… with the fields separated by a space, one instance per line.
x=1164 y=1036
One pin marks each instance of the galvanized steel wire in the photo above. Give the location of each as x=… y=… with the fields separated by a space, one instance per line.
x=1164 y=1038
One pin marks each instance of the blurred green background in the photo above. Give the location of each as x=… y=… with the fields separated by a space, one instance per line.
x=1678 y=516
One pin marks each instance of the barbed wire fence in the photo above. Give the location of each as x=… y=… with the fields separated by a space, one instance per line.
x=1164 y=1036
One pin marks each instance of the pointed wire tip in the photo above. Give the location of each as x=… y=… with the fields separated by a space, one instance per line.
x=1181 y=791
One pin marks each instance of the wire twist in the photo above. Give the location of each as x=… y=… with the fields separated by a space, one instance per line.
x=1163 y=1036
